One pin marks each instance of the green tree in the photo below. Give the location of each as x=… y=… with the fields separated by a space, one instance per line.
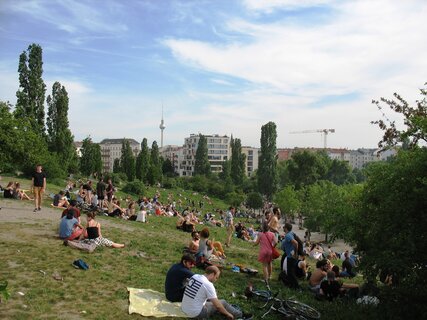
x=339 y=172
x=167 y=168
x=155 y=171
x=202 y=165
x=237 y=162
x=288 y=199
x=116 y=166
x=267 y=166
x=59 y=137
x=127 y=160
x=225 y=174
x=305 y=168
x=143 y=161
x=31 y=94
x=414 y=118
x=254 y=200
x=21 y=147
x=390 y=229
x=90 y=161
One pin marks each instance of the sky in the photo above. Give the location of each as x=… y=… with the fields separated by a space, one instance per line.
x=222 y=66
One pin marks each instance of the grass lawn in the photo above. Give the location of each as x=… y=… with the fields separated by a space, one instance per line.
x=31 y=254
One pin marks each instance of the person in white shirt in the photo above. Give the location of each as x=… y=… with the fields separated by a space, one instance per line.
x=200 y=300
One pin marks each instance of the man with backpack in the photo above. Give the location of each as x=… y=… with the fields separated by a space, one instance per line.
x=290 y=248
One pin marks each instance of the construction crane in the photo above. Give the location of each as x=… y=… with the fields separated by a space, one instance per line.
x=325 y=133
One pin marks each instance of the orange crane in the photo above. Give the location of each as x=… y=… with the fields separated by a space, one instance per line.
x=325 y=133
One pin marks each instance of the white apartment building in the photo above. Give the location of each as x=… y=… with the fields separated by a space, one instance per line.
x=252 y=156
x=218 y=152
x=111 y=149
x=362 y=156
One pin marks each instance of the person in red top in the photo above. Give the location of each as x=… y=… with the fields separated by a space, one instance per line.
x=72 y=206
x=266 y=240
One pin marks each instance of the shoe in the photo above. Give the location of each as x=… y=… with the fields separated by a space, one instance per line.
x=35 y=210
x=40 y=209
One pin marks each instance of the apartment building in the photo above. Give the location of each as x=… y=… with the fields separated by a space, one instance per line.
x=252 y=156
x=218 y=152
x=111 y=149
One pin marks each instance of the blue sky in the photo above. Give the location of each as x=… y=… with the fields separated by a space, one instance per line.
x=221 y=66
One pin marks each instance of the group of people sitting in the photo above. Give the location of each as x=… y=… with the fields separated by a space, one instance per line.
x=13 y=190
x=70 y=228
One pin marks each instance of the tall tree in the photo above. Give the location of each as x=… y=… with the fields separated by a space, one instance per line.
x=59 y=137
x=116 y=166
x=267 y=166
x=225 y=174
x=90 y=161
x=202 y=165
x=143 y=161
x=127 y=160
x=237 y=162
x=155 y=171
x=31 y=94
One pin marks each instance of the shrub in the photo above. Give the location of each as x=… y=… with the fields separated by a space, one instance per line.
x=136 y=187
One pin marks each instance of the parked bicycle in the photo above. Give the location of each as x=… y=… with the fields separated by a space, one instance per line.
x=290 y=308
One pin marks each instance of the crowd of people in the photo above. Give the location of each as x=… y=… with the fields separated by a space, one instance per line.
x=196 y=291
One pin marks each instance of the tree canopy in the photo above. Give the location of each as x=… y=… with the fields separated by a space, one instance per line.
x=267 y=163
x=202 y=165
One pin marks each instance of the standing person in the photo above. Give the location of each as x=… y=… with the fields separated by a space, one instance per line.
x=177 y=278
x=200 y=300
x=229 y=216
x=273 y=222
x=266 y=241
x=109 y=190
x=290 y=247
x=100 y=191
x=38 y=184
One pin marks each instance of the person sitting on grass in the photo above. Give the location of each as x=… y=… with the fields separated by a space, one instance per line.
x=93 y=233
x=200 y=300
x=347 y=267
x=73 y=206
x=330 y=288
x=8 y=191
x=69 y=227
x=318 y=275
x=115 y=210
x=60 y=201
x=193 y=247
x=177 y=278
x=20 y=193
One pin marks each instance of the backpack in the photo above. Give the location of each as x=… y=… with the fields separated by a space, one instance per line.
x=300 y=244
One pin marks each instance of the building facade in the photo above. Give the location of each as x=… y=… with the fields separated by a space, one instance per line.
x=174 y=154
x=252 y=156
x=111 y=149
x=218 y=152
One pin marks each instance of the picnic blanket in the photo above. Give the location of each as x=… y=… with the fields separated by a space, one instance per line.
x=150 y=303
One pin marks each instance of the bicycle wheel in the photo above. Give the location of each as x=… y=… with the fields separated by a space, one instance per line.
x=302 y=309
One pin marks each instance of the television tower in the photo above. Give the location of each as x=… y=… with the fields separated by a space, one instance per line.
x=162 y=127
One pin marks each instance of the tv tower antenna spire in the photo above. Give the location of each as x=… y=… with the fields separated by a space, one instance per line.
x=162 y=127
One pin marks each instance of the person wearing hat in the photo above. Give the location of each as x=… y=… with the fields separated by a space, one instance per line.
x=177 y=278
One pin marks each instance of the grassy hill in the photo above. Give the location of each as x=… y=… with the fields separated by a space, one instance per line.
x=31 y=255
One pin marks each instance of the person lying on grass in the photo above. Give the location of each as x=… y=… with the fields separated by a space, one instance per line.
x=93 y=234
x=69 y=227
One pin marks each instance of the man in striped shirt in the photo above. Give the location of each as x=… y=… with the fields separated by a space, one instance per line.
x=200 y=300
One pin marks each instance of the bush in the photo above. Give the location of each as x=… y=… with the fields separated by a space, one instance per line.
x=136 y=187
x=169 y=183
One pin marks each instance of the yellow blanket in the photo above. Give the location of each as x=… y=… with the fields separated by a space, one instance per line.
x=150 y=303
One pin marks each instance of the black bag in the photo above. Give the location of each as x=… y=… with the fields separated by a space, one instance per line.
x=300 y=244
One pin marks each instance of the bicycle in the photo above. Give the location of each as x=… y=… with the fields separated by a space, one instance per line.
x=290 y=308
